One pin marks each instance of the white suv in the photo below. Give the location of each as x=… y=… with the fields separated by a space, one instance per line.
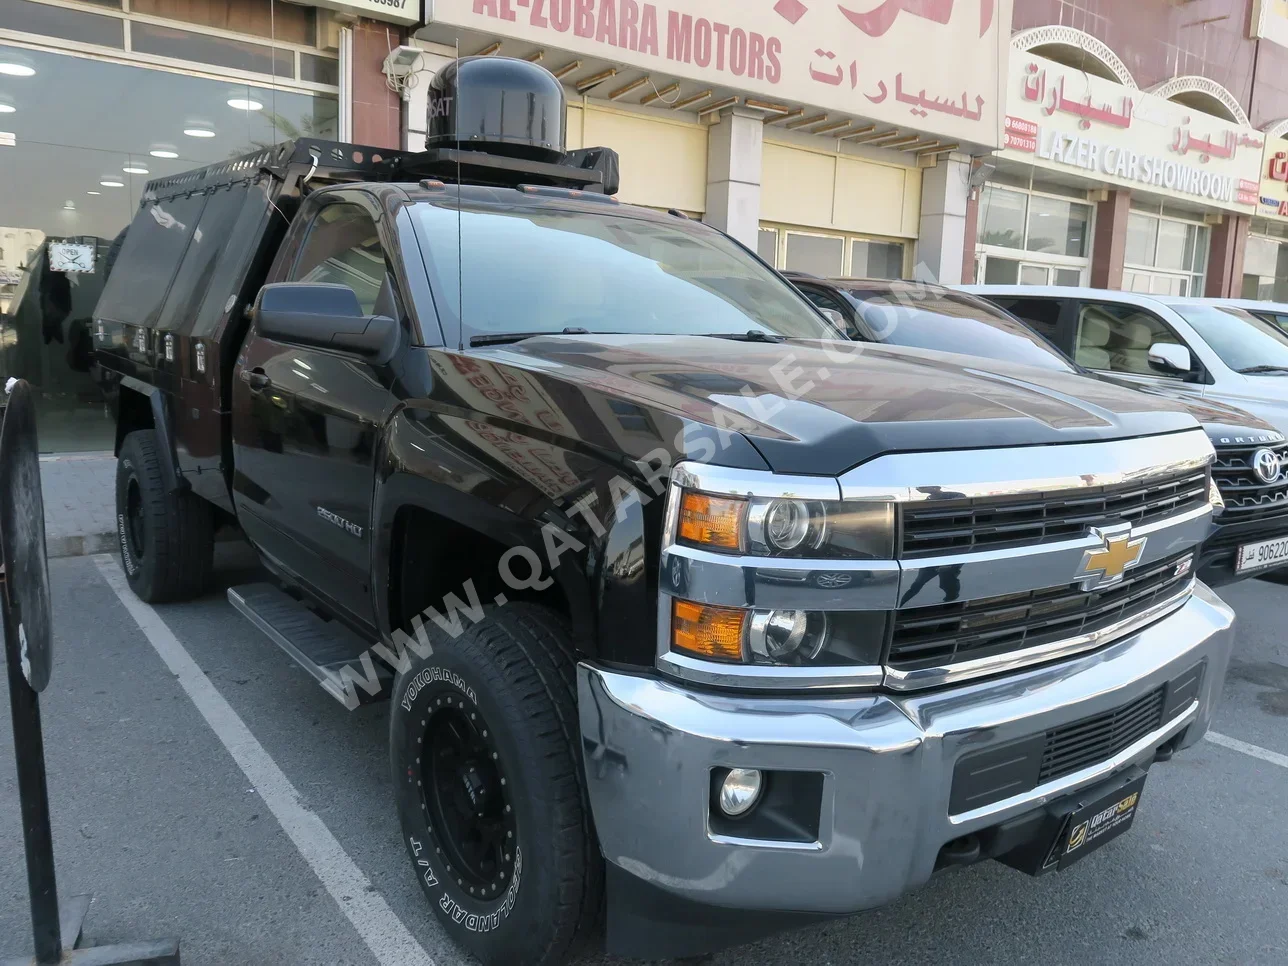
x=1180 y=346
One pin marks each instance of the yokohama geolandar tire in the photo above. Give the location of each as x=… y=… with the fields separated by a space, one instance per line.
x=488 y=779
x=167 y=539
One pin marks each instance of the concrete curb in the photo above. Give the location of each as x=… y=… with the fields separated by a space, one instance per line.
x=80 y=545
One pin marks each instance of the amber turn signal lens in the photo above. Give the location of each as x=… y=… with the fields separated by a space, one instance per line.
x=711 y=521
x=710 y=632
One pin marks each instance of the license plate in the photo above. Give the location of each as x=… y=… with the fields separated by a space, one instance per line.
x=1266 y=553
x=1096 y=823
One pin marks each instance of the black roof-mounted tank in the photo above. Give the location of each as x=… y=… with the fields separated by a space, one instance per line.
x=499 y=105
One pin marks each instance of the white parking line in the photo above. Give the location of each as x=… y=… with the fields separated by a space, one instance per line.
x=1256 y=751
x=383 y=932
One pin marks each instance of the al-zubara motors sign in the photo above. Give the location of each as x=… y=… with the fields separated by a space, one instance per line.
x=932 y=65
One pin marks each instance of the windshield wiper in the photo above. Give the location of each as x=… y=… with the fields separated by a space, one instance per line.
x=1255 y=370
x=505 y=338
x=751 y=335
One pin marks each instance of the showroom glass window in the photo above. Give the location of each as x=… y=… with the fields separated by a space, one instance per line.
x=1032 y=232
x=1166 y=251
x=110 y=98
x=1265 y=261
x=831 y=255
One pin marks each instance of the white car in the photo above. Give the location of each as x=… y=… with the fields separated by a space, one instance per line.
x=1186 y=347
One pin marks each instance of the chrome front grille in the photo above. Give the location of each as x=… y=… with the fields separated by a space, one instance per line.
x=948 y=634
x=1246 y=496
x=935 y=527
x=991 y=550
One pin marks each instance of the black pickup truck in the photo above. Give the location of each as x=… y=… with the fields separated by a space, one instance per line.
x=691 y=609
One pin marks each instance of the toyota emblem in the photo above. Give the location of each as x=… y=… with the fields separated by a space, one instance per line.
x=1266 y=464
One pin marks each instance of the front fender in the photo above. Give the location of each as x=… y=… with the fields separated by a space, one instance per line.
x=593 y=527
x=171 y=476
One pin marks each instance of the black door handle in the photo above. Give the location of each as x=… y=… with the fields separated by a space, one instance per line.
x=256 y=379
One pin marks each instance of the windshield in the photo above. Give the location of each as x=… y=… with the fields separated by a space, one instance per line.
x=543 y=270
x=951 y=323
x=1241 y=340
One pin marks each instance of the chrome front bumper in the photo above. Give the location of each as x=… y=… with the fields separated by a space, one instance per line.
x=887 y=762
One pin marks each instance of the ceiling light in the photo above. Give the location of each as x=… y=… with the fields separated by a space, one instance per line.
x=160 y=153
x=112 y=184
x=134 y=169
x=16 y=70
x=244 y=104
x=93 y=192
x=68 y=206
x=7 y=108
x=198 y=132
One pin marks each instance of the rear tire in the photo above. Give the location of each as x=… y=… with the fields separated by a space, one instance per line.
x=167 y=539
x=484 y=750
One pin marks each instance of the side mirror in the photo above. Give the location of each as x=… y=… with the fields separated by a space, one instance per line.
x=835 y=317
x=1169 y=358
x=325 y=316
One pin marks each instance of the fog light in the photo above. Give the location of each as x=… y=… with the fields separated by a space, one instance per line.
x=740 y=790
x=787 y=636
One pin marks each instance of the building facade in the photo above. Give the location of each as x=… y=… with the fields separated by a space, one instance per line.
x=1141 y=146
x=831 y=138
x=1140 y=149
x=97 y=97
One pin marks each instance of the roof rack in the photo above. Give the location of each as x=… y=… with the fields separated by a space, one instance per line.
x=327 y=161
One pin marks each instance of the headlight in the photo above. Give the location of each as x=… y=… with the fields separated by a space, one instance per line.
x=786 y=527
x=782 y=637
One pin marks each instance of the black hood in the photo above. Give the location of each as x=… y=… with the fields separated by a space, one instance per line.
x=815 y=409
x=1226 y=425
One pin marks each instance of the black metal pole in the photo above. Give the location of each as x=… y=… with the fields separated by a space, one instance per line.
x=33 y=796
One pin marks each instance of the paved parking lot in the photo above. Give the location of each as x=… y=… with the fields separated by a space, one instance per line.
x=203 y=786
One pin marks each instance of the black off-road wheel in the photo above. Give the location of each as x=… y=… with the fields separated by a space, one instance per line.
x=490 y=791
x=167 y=539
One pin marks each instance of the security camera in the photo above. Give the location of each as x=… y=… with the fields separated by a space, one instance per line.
x=982 y=173
x=402 y=60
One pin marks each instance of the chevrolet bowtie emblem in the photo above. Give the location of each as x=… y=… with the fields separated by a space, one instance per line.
x=1106 y=564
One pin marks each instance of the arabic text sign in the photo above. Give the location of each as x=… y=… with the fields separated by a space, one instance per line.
x=1272 y=200
x=1061 y=118
x=1270 y=20
x=931 y=65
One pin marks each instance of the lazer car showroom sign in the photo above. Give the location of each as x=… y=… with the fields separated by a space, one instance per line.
x=1273 y=200
x=929 y=65
x=1065 y=119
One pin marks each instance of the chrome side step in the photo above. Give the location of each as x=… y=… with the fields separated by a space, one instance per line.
x=339 y=659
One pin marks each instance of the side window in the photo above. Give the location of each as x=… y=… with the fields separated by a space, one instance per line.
x=1116 y=338
x=1042 y=315
x=830 y=307
x=1279 y=319
x=343 y=248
